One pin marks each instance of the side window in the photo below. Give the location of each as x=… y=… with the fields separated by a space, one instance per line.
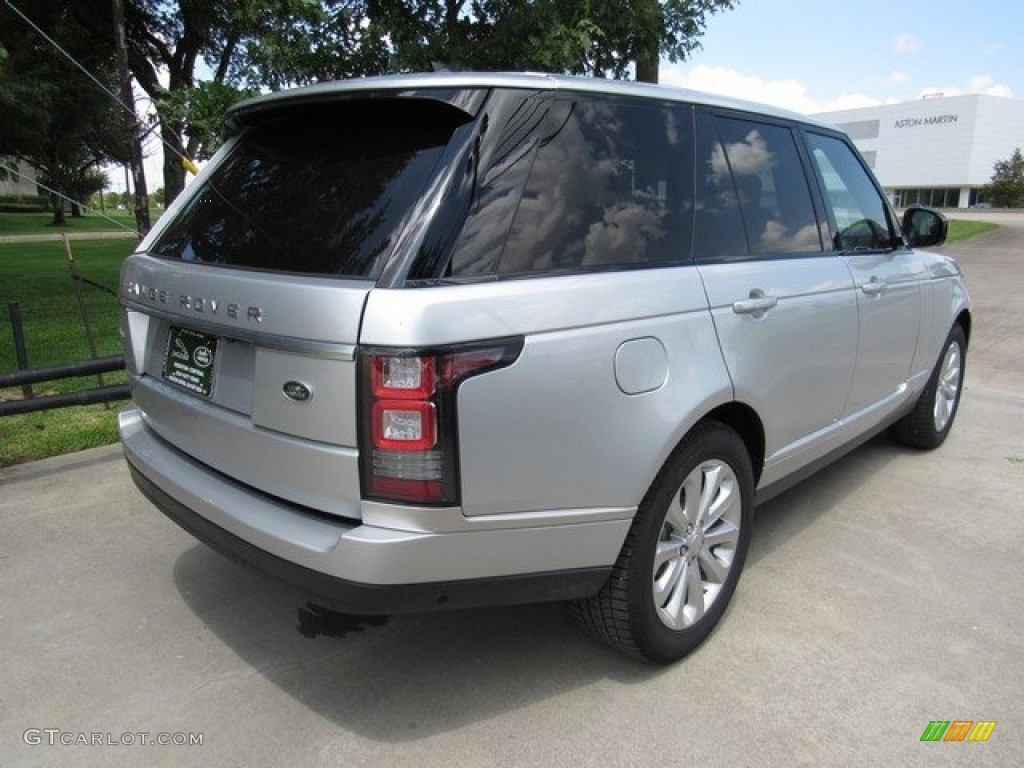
x=857 y=207
x=718 y=231
x=608 y=185
x=771 y=193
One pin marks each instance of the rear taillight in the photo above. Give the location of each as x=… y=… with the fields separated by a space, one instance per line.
x=409 y=426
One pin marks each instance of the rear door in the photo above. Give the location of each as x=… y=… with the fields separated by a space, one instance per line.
x=783 y=306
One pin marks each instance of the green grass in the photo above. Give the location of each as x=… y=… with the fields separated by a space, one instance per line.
x=41 y=223
x=32 y=436
x=962 y=229
x=36 y=275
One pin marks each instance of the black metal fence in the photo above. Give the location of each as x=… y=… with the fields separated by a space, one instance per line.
x=52 y=319
x=31 y=403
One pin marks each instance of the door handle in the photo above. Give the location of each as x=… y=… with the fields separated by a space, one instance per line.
x=756 y=305
x=874 y=286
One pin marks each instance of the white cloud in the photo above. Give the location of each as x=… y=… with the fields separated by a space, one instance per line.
x=905 y=43
x=896 y=77
x=788 y=94
x=986 y=84
x=979 y=84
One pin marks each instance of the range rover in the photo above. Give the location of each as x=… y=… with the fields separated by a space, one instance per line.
x=440 y=341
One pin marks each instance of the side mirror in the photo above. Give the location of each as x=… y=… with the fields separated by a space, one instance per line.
x=924 y=227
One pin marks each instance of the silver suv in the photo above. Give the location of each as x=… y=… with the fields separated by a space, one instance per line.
x=441 y=341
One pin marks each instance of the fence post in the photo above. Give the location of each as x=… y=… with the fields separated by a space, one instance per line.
x=81 y=306
x=20 y=352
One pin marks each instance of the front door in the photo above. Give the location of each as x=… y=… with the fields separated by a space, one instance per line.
x=887 y=276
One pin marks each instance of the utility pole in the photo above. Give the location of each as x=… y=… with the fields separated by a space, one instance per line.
x=128 y=99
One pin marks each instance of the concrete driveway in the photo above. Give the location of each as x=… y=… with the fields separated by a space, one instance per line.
x=883 y=594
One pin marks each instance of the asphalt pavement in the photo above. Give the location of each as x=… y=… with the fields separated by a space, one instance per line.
x=883 y=594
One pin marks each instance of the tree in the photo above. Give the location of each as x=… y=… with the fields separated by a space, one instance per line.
x=592 y=37
x=54 y=119
x=194 y=59
x=84 y=186
x=249 y=45
x=1007 y=187
x=246 y=45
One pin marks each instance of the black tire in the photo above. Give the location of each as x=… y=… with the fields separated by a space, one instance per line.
x=626 y=614
x=929 y=423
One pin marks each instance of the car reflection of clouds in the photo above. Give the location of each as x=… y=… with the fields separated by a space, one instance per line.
x=622 y=236
x=573 y=181
x=775 y=239
x=748 y=158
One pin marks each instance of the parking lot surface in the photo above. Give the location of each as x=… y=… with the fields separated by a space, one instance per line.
x=882 y=594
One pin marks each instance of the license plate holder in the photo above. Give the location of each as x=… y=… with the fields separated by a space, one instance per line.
x=190 y=360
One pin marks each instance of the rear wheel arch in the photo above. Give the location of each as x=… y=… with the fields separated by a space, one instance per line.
x=964 y=321
x=743 y=420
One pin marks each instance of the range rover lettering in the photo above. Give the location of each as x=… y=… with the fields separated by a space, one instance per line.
x=438 y=341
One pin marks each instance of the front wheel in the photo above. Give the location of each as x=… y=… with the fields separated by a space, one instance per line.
x=929 y=423
x=684 y=552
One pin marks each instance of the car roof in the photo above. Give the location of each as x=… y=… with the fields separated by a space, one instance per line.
x=515 y=80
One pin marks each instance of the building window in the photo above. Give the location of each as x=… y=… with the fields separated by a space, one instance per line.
x=935 y=198
x=977 y=197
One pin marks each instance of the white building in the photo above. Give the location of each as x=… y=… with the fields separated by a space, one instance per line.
x=21 y=182
x=936 y=151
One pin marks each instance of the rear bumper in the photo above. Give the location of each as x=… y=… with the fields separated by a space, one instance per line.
x=363 y=569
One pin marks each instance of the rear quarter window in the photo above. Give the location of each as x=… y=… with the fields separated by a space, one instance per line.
x=604 y=183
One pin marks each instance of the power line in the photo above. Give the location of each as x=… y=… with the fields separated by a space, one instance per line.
x=129 y=109
x=13 y=170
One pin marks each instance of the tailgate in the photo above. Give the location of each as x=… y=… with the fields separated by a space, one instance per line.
x=251 y=373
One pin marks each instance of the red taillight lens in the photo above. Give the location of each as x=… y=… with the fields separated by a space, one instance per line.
x=409 y=431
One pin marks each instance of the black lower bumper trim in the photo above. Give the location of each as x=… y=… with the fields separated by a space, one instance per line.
x=378 y=599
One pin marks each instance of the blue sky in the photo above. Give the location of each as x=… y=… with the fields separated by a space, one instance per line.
x=819 y=56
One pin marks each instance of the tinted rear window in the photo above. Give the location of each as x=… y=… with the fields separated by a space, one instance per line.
x=319 y=191
x=583 y=185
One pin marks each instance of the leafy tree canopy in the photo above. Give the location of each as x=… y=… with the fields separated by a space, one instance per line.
x=194 y=58
x=54 y=119
x=1007 y=187
x=216 y=53
x=586 y=37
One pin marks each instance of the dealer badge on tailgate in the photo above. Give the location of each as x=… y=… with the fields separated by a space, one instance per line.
x=189 y=360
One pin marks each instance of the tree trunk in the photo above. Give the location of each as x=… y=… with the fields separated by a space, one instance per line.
x=58 y=211
x=174 y=173
x=76 y=209
x=142 y=222
x=647 y=71
x=651 y=26
x=55 y=178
